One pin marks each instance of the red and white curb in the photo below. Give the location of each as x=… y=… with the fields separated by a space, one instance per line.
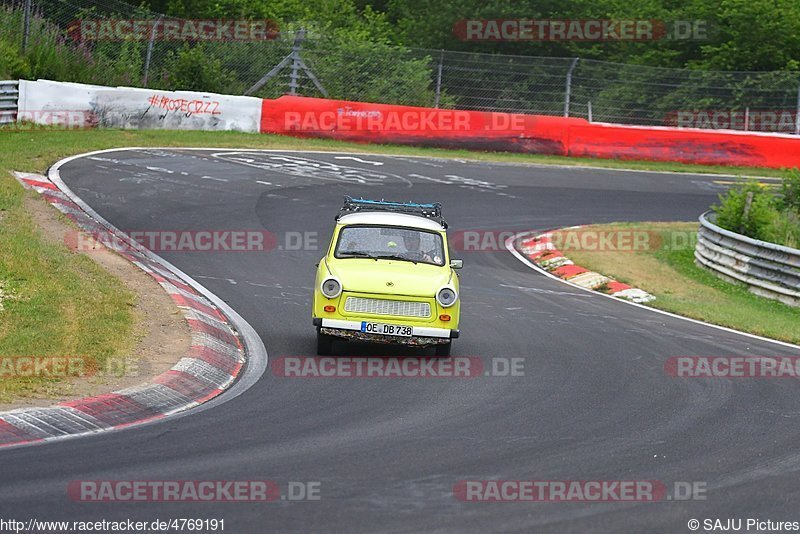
x=541 y=250
x=214 y=360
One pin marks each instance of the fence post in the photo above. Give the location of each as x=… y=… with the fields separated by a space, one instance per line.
x=296 y=61
x=150 y=50
x=797 y=114
x=26 y=25
x=747 y=118
x=297 y=64
x=439 y=80
x=568 y=88
x=748 y=202
x=590 y=111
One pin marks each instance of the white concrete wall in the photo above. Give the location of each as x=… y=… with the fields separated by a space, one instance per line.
x=77 y=105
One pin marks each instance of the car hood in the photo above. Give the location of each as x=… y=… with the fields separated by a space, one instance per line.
x=390 y=276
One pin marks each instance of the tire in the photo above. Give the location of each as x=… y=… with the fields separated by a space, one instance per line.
x=324 y=344
x=443 y=351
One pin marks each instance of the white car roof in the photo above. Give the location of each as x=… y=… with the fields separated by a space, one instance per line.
x=390 y=219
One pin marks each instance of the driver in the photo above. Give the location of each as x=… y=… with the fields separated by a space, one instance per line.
x=413 y=251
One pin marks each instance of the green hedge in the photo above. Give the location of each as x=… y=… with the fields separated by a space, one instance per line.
x=772 y=217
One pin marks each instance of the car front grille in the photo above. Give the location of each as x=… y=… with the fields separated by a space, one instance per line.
x=401 y=308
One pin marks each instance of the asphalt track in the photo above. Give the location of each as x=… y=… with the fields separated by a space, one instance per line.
x=594 y=402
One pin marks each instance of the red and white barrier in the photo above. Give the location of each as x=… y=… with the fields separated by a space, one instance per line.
x=78 y=105
x=385 y=123
x=686 y=145
x=563 y=136
x=540 y=249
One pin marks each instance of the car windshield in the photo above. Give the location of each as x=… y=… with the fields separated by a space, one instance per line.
x=390 y=242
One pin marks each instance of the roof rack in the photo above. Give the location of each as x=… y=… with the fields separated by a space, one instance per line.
x=431 y=211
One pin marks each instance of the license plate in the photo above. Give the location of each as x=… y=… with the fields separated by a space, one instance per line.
x=386 y=329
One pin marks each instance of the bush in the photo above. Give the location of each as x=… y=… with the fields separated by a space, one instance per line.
x=783 y=229
x=790 y=191
x=49 y=53
x=771 y=218
x=194 y=70
x=12 y=65
x=731 y=209
x=352 y=68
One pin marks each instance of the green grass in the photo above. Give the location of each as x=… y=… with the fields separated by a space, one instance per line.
x=61 y=303
x=57 y=303
x=681 y=287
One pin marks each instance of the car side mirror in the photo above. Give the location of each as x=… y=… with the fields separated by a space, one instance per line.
x=456 y=264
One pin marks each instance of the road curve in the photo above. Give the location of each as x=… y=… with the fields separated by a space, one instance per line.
x=593 y=403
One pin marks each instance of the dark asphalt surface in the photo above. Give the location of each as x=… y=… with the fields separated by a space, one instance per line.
x=594 y=402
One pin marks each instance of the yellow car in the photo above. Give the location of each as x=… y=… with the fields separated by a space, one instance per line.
x=387 y=278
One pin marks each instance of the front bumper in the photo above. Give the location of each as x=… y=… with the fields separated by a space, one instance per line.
x=420 y=335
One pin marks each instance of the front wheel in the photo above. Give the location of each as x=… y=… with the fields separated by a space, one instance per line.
x=443 y=350
x=324 y=344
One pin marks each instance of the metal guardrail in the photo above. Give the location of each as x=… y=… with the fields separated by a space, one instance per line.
x=9 y=101
x=769 y=270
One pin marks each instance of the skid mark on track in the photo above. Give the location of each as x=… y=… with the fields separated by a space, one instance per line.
x=481 y=186
x=229 y=280
x=139 y=173
x=526 y=289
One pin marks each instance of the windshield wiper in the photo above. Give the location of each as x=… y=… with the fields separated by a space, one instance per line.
x=360 y=254
x=394 y=257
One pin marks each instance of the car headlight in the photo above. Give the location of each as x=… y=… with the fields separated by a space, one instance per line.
x=331 y=288
x=446 y=297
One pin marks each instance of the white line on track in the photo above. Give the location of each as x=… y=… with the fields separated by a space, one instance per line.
x=732 y=174
x=510 y=247
x=376 y=163
x=257 y=358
